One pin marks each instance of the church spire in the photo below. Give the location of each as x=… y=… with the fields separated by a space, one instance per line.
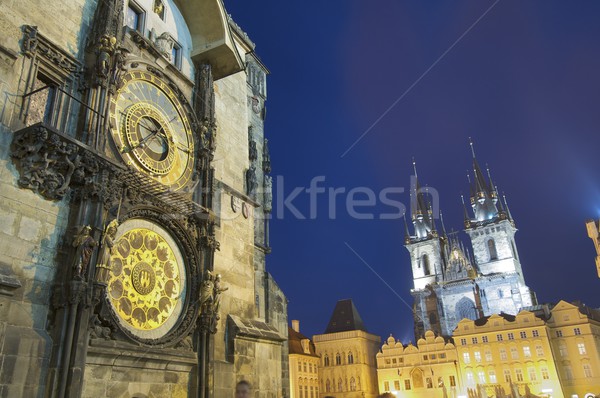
x=421 y=211
x=483 y=195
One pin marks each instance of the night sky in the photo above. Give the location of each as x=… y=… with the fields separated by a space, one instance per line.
x=521 y=78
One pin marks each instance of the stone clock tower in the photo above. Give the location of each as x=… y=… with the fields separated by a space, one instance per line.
x=136 y=193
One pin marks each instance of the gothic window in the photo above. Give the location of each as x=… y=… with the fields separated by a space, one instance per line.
x=425 y=264
x=350 y=358
x=492 y=249
x=352 y=384
x=465 y=308
x=326 y=360
x=338 y=359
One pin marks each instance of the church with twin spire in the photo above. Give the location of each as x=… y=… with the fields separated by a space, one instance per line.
x=453 y=280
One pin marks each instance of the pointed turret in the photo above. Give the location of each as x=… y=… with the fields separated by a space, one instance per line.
x=420 y=209
x=483 y=195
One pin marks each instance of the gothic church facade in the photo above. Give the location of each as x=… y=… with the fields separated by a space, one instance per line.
x=451 y=281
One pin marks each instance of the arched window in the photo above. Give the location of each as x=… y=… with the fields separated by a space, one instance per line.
x=326 y=360
x=465 y=308
x=492 y=249
x=350 y=358
x=338 y=359
x=425 y=263
x=340 y=385
x=328 y=386
x=352 y=384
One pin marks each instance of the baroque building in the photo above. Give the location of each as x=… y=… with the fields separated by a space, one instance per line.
x=304 y=364
x=453 y=281
x=347 y=351
x=135 y=195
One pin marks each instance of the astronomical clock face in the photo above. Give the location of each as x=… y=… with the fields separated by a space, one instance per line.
x=147 y=282
x=151 y=129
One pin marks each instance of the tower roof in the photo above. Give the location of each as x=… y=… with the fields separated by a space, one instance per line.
x=344 y=318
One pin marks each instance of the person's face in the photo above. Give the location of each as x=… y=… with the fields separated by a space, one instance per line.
x=242 y=391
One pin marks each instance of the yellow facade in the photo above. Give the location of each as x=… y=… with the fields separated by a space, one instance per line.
x=303 y=363
x=348 y=368
x=508 y=352
x=575 y=338
x=424 y=370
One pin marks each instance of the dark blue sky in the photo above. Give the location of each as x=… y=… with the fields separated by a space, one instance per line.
x=524 y=82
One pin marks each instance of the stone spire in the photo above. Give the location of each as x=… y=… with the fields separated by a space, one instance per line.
x=421 y=211
x=483 y=196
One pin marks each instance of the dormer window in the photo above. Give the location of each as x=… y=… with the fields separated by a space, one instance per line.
x=134 y=17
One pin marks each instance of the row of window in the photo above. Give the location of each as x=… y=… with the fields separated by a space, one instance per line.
x=303 y=392
x=426 y=357
x=576 y=331
x=302 y=367
x=338 y=359
x=500 y=337
x=565 y=353
x=514 y=354
x=416 y=381
x=331 y=387
x=482 y=378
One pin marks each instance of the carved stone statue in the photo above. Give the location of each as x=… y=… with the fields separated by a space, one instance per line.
x=206 y=293
x=217 y=290
x=165 y=44
x=85 y=244
x=266 y=157
x=251 y=181
x=252 y=152
x=268 y=193
x=104 y=51
x=103 y=266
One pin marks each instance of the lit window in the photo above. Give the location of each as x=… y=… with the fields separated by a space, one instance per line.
x=545 y=374
x=397 y=385
x=304 y=366
x=394 y=360
x=559 y=333
x=134 y=18
x=452 y=381
x=526 y=352
x=481 y=376
x=523 y=335
x=463 y=341
x=407 y=384
x=477 y=356
x=539 y=350
x=507 y=375
x=425 y=357
x=488 y=356
x=514 y=354
x=474 y=340
x=511 y=336
x=484 y=339
x=581 y=348
x=532 y=375
x=492 y=375
x=387 y=361
x=577 y=331
x=499 y=337
x=310 y=367
x=587 y=370
x=535 y=333
x=519 y=374
x=386 y=385
x=503 y=356
x=563 y=350
x=470 y=379
x=466 y=357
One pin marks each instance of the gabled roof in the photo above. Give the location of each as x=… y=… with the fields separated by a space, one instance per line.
x=344 y=318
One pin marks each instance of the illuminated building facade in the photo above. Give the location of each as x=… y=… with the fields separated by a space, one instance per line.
x=134 y=184
x=304 y=364
x=592 y=229
x=348 y=366
x=428 y=369
x=452 y=282
x=508 y=353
